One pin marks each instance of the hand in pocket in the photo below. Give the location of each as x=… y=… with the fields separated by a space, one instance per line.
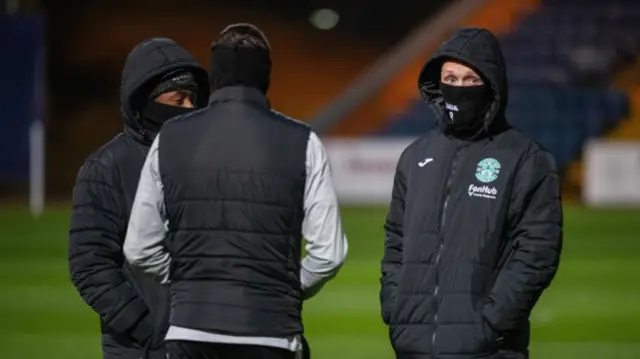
x=491 y=336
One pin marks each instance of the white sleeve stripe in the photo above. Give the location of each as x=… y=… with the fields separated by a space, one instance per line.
x=322 y=227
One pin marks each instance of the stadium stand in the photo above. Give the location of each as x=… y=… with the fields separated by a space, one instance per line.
x=561 y=60
x=499 y=16
x=627 y=130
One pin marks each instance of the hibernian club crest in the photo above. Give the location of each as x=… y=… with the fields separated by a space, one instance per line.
x=488 y=170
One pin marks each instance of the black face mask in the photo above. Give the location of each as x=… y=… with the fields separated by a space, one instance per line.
x=465 y=106
x=156 y=113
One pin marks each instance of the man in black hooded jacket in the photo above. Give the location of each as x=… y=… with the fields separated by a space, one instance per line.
x=474 y=230
x=160 y=80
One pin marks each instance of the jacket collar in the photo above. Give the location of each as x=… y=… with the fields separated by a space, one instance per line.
x=239 y=94
x=144 y=137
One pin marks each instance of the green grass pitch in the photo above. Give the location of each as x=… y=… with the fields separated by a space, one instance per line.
x=592 y=309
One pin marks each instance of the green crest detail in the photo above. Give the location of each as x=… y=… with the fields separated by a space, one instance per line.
x=488 y=170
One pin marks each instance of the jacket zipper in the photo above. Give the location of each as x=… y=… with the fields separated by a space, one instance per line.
x=443 y=217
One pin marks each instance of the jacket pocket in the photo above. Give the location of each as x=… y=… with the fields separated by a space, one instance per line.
x=486 y=340
x=392 y=306
x=492 y=338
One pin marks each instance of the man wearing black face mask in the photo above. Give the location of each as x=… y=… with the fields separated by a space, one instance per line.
x=474 y=230
x=174 y=95
x=238 y=186
x=160 y=80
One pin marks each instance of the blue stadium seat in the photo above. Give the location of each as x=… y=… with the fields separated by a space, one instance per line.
x=562 y=25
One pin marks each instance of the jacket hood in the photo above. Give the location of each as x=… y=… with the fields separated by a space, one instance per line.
x=479 y=49
x=147 y=61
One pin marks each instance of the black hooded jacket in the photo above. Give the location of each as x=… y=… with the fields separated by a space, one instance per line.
x=474 y=230
x=133 y=310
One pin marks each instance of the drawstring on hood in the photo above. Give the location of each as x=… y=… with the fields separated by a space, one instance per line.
x=479 y=49
x=157 y=64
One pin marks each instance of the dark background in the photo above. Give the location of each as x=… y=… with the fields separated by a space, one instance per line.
x=87 y=42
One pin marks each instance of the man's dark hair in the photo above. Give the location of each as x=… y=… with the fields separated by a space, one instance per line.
x=241 y=56
x=242 y=35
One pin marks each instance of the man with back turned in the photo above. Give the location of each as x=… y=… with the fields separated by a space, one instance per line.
x=238 y=186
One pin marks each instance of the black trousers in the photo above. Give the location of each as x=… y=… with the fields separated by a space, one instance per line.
x=179 y=349
x=306 y=351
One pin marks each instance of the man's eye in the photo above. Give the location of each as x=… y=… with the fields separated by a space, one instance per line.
x=181 y=99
